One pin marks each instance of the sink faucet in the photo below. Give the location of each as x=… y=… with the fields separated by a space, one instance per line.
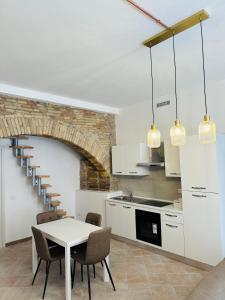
x=129 y=194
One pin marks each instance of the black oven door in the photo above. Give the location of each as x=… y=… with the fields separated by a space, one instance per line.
x=148 y=227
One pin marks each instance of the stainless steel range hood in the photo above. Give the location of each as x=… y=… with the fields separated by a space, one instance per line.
x=156 y=158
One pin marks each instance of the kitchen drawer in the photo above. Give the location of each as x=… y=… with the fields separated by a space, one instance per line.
x=173 y=237
x=172 y=217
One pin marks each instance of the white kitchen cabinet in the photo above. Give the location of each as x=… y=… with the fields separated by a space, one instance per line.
x=121 y=217
x=126 y=157
x=127 y=216
x=173 y=237
x=172 y=159
x=199 y=165
x=203 y=227
x=113 y=216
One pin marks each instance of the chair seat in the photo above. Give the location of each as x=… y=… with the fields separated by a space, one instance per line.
x=79 y=256
x=79 y=248
x=51 y=243
x=57 y=253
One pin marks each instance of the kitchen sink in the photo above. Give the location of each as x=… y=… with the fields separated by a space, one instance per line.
x=142 y=201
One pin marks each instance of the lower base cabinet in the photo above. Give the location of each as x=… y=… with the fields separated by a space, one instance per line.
x=173 y=237
x=121 y=217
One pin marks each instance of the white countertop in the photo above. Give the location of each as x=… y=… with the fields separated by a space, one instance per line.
x=169 y=208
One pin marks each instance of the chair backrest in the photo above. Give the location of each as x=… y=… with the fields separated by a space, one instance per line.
x=98 y=245
x=41 y=244
x=94 y=219
x=47 y=216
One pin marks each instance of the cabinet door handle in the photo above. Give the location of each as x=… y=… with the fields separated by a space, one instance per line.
x=198 y=188
x=171 y=226
x=174 y=173
x=132 y=172
x=112 y=204
x=126 y=207
x=119 y=172
x=169 y=215
x=199 y=196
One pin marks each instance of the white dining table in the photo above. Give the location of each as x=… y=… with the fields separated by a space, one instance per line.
x=67 y=233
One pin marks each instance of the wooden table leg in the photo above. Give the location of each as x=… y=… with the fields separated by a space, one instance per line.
x=34 y=256
x=67 y=273
x=105 y=273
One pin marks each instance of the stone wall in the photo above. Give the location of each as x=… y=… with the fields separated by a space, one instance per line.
x=90 y=133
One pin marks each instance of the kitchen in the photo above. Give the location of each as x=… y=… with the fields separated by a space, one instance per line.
x=178 y=225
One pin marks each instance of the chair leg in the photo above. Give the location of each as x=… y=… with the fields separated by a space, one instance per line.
x=89 y=284
x=48 y=264
x=60 y=267
x=39 y=263
x=110 y=276
x=94 y=270
x=74 y=270
x=82 y=273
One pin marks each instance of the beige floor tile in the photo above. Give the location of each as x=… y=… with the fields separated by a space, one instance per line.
x=138 y=274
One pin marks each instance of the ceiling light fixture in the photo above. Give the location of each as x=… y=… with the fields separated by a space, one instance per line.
x=177 y=131
x=207 y=128
x=154 y=136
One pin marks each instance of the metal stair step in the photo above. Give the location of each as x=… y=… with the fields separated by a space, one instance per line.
x=45 y=186
x=61 y=213
x=51 y=195
x=42 y=176
x=55 y=203
x=21 y=137
x=21 y=147
x=25 y=156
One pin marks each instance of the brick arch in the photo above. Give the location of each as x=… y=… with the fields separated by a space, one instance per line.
x=84 y=142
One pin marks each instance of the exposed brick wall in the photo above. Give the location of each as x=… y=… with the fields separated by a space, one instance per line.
x=91 y=133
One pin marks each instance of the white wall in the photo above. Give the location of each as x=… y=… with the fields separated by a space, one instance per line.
x=134 y=121
x=21 y=200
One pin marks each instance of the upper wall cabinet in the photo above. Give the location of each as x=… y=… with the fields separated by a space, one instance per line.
x=126 y=157
x=201 y=164
x=172 y=159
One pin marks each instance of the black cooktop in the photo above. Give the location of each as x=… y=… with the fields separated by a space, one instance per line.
x=155 y=203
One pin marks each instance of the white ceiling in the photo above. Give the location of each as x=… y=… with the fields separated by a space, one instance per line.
x=92 y=50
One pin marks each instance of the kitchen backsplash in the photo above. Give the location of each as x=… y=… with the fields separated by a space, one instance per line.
x=155 y=185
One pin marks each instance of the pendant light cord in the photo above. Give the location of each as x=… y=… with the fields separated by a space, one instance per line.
x=175 y=75
x=153 y=113
x=203 y=67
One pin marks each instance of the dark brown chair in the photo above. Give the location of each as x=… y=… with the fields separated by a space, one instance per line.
x=95 y=251
x=47 y=254
x=46 y=217
x=94 y=219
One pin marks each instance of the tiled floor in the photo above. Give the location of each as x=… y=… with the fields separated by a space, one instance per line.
x=138 y=275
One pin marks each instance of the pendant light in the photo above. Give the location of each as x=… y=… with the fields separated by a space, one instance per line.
x=154 y=136
x=207 y=128
x=177 y=131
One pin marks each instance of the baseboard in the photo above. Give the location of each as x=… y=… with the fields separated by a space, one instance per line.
x=182 y=259
x=18 y=241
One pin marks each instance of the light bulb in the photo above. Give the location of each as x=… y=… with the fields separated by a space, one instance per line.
x=177 y=134
x=207 y=131
x=154 y=137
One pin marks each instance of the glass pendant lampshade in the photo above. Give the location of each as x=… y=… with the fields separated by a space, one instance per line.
x=207 y=131
x=206 y=128
x=177 y=134
x=177 y=131
x=154 y=137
